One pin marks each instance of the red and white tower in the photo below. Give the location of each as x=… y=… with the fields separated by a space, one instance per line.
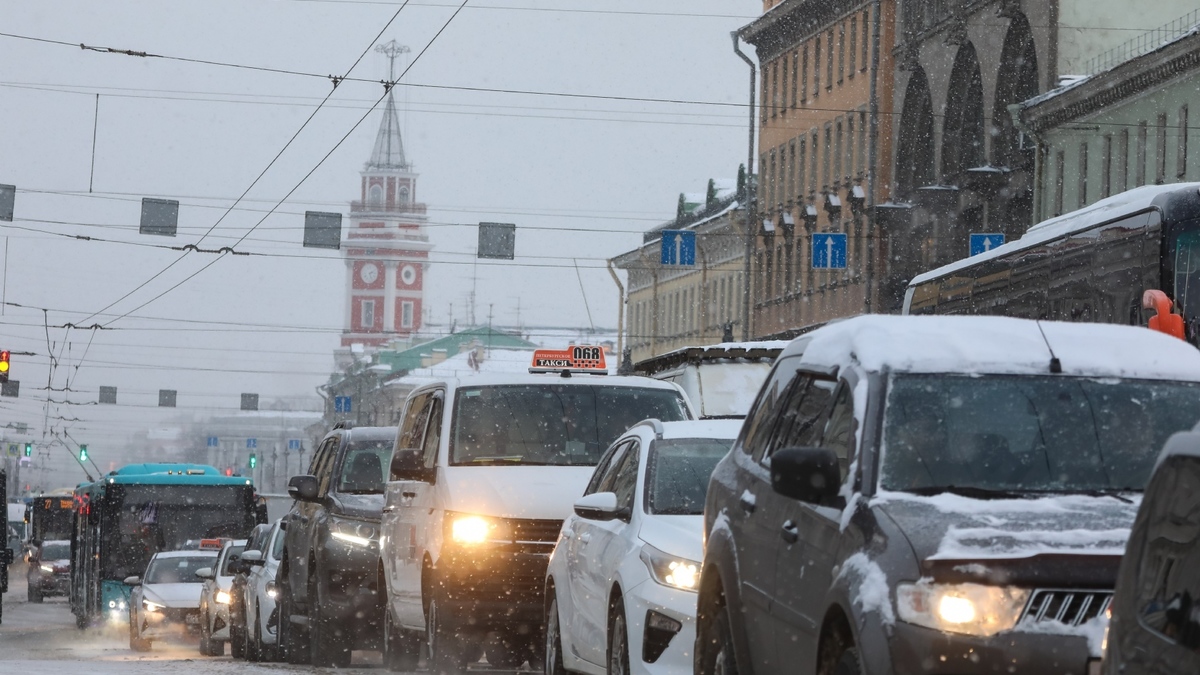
x=386 y=246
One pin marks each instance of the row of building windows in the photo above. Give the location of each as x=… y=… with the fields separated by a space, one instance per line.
x=784 y=264
x=685 y=312
x=793 y=168
x=786 y=78
x=1115 y=173
x=367 y=321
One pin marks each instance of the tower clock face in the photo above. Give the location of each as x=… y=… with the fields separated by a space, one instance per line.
x=408 y=274
x=368 y=273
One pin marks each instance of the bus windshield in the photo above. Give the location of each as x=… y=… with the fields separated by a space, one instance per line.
x=153 y=518
x=51 y=518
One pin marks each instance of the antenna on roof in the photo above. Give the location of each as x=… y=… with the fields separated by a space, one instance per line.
x=1055 y=364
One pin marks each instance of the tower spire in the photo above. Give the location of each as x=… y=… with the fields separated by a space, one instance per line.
x=389 y=148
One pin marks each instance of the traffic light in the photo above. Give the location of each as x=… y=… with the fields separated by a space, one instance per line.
x=29 y=449
x=253 y=460
x=83 y=453
x=4 y=355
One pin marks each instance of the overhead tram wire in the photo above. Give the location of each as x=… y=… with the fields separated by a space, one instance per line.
x=336 y=82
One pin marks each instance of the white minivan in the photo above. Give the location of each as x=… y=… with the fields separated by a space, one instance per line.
x=485 y=470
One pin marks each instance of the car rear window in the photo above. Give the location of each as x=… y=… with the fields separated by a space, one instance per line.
x=551 y=424
x=678 y=473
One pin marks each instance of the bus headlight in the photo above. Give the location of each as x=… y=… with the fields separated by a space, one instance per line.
x=223 y=597
x=471 y=530
x=971 y=609
x=672 y=571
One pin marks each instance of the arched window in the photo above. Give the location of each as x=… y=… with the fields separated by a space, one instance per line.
x=403 y=199
x=914 y=153
x=962 y=134
x=375 y=195
x=1017 y=81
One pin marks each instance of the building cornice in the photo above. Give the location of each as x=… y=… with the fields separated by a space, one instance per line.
x=792 y=21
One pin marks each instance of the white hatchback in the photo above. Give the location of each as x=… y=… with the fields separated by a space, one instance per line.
x=262 y=621
x=215 y=598
x=166 y=601
x=621 y=585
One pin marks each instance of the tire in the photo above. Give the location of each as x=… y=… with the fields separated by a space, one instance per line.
x=849 y=663
x=81 y=620
x=237 y=642
x=327 y=645
x=292 y=638
x=401 y=648
x=35 y=594
x=618 y=640
x=253 y=647
x=446 y=655
x=553 y=651
x=507 y=653
x=136 y=643
x=716 y=654
x=205 y=643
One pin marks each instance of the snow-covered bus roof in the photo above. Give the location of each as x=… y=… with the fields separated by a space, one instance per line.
x=1105 y=210
x=997 y=345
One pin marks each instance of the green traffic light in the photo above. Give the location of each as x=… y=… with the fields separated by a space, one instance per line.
x=253 y=460
x=29 y=449
x=83 y=455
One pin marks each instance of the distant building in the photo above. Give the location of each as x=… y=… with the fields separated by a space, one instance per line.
x=671 y=306
x=386 y=247
x=1122 y=127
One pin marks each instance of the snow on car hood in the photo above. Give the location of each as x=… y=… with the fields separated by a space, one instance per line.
x=173 y=595
x=681 y=536
x=950 y=527
x=539 y=492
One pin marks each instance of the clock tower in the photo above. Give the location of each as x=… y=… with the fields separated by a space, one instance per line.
x=386 y=247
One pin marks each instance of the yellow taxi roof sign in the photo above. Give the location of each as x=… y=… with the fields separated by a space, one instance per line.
x=574 y=359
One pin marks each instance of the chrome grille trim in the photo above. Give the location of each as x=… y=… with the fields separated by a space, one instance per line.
x=1070 y=607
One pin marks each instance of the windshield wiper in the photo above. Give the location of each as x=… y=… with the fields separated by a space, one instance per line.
x=1115 y=493
x=969 y=491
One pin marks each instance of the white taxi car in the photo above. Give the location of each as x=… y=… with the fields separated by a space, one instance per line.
x=262 y=620
x=166 y=600
x=621 y=584
x=216 y=596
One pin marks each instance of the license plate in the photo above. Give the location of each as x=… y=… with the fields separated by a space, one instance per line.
x=1094 y=667
x=192 y=619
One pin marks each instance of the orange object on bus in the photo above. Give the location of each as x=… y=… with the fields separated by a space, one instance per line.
x=1164 y=321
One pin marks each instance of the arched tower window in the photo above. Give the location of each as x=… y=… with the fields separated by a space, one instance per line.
x=403 y=198
x=914 y=152
x=375 y=195
x=1017 y=81
x=962 y=133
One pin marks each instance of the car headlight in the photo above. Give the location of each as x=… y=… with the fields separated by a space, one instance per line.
x=46 y=568
x=272 y=590
x=151 y=606
x=670 y=570
x=472 y=530
x=223 y=597
x=357 y=533
x=971 y=609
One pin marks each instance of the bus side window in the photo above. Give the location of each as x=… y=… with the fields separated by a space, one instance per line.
x=1116 y=282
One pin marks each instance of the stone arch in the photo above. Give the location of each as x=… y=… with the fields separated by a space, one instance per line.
x=962 y=127
x=914 y=147
x=1016 y=81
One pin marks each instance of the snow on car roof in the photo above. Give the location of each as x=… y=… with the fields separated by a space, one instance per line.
x=997 y=345
x=702 y=429
x=193 y=553
x=492 y=379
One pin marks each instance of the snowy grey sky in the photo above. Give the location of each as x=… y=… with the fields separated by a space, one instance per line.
x=593 y=173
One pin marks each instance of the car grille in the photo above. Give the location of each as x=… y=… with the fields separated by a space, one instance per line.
x=530 y=531
x=515 y=588
x=1068 y=607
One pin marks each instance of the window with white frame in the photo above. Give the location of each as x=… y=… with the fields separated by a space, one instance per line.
x=406 y=314
x=368 y=314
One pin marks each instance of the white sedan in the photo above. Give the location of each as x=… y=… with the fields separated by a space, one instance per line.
x=166 y=601
x=621 y=585
x=262 y=622
x=215 y=598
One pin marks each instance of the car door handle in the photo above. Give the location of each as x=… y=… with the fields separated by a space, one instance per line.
x=789 y=532
x=389 y=509
x=747 y=501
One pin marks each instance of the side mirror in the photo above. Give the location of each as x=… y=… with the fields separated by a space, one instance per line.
x=303 y=488
x=205 y=573
x=133 y=581
x=597 y=506
x=409 y=464
x=807 y=474
x=252 y=557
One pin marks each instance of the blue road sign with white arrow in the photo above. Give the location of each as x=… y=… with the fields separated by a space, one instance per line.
x=982 y=243
x=678 y=247
x=829 y=251
x=213 y=442
x=341 y=404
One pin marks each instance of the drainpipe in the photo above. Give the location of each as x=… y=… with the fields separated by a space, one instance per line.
x=1041 y=151
x=749 y=195
x=620 y=312
x=873 y=155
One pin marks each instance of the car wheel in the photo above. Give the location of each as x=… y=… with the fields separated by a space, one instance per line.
x=401 y=648
x=839 y=656
x=205 y=646
x=618 y=641
x=254 y=647
x=716 y=655
x=445 y=650
x=328 y=647
x=237 y=642
x=553 y=650
x=292 y=637
x=136 y=643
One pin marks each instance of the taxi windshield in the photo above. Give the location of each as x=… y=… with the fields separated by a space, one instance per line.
x=1029 y=434
x=177 y=569
x=551 y=424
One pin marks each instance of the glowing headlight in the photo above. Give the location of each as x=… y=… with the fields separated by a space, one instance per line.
x=121 y=605
x=151 y=606
x=272 y=590
x=670 y=570
x=46 y=568
x=223 y=597
x=475 y=530
x=972 y=609
x=112 y=604
x=352 y=532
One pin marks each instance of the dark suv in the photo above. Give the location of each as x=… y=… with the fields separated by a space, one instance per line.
x=329 y=585
x=944 y=495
